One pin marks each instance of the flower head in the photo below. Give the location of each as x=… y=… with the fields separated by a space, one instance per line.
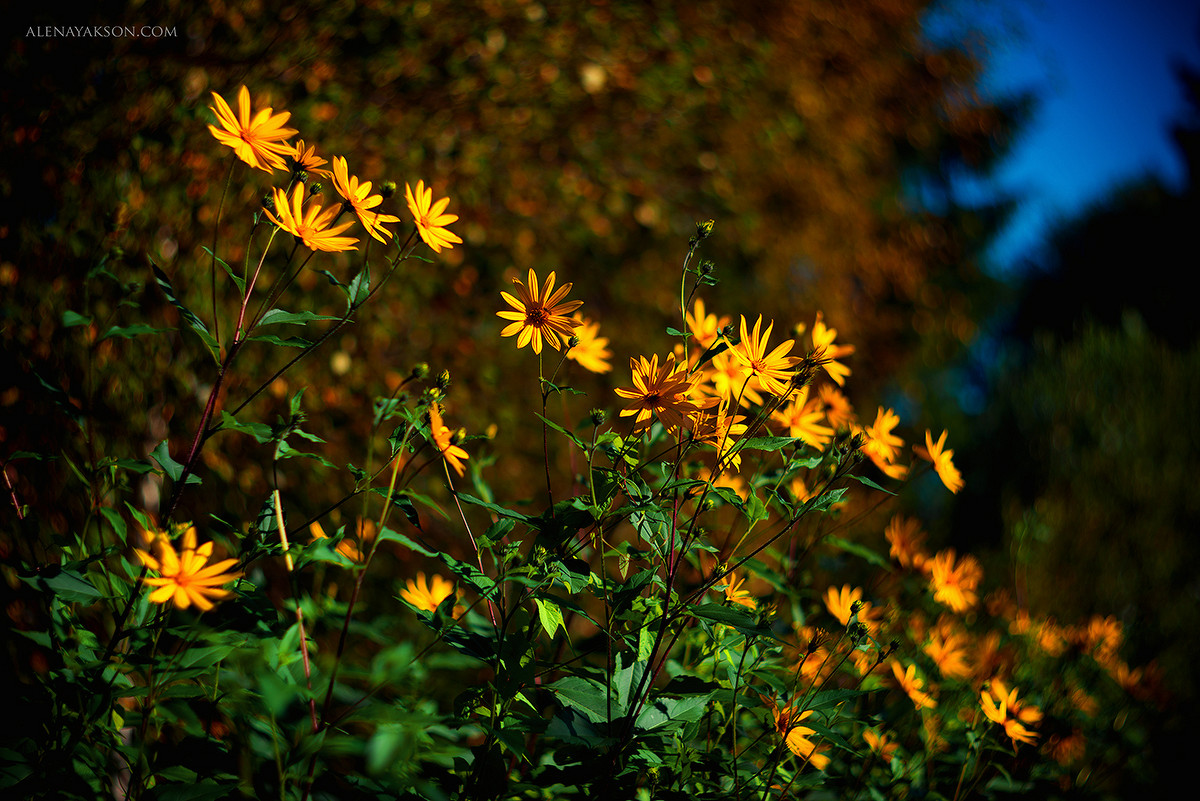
x=539 y=315
x=795 y=736
x=882 y=446
x=185 y=576
x=427 y=595
x=705 y=328
x=954 y=584
x=359 y=199
x=907 y=540
x=592 y=352
x=827 y=353
x=1001 y=705
x=913 y=686
x=312 y=225
x=803 y=417
x=663 y=391
x=429 y=217
x=942 y=461
x=773 y=370
x=258 y=141
x=305 y=158
x=738 y=595
x=443 y=440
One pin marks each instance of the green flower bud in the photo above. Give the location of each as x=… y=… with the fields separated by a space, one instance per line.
x=420 y=371
x=443 y=380
x=598 y=417
x=387 y=189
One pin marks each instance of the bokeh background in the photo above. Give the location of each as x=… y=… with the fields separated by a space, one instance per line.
x=995 y=203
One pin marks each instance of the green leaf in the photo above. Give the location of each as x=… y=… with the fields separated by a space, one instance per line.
x=869 y=483
x=169 y=466
x=241 y=284
x=733 y=616
x=496 y=532
x=260 y=431
x=191 y=319
x=360 y=289
x=550 y=615
x=562 y=430
x=666 y=710
x=279 y=316
x=71 y=319
x=500 y=510
x=68 y=585
x=769 y=443
x=290 y=342
x=586 y=695
x=130 y=331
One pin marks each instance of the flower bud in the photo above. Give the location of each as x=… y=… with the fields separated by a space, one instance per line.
x=302 y=176
x=443 y=380
x=387 y=189
x=598 y=417
x=573 y=341
x=707 y=267
x=315 y=189
x=420 y=371
x=703 y=229
x=268 y=202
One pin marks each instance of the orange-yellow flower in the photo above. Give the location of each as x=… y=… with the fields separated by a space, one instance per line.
x=948 y=647
x=954 y=584
x=882 y=446
x=803 y=417
x=827 y=353
x=311 y=225
x=427 y=595
x=838 y=410
x=913 y=686
x=736 y=594
x=592 y=352
x=795 y=735
x=942 y=461
x=663 y=391
x=358 y=198
x=539 y=315
x=907 y=539
x=443 y=440
x=732 y=380
x=185 y=577
x=430 y=217
x=1002 y=706
x=305 y=158
x=705 y=328
x=773 y=370
x=880 y=744
x=346 y=547
x=258 y=141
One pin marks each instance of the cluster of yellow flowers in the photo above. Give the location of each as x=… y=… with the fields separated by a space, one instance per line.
x=260 y=140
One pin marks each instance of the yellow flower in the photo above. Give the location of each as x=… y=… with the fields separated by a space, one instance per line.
x=773 y=370
x=907 y=539
x=827 y=353
x=359 y=199
x=803 y=419
x=731 y=379
x=705 y=328
x=954 y=584
x=837 y=407
x=346 y=548
x=185 y=577
x=1001 y=705
x=443 y=440
x=310 y=226
x=880 y=744
x=735 y=594
x=259 y=141
x=662 y=391
x=306 y=159
x=913 y=686
x=592 y=352
x=839 y=603
x=427 y=596
x=539 y=315
x=787 y=724
x=941 y=459
x=947 y=647
x=429 y=217
x=882 y=446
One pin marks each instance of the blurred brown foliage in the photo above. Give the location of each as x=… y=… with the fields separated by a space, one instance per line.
x=823 y=136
